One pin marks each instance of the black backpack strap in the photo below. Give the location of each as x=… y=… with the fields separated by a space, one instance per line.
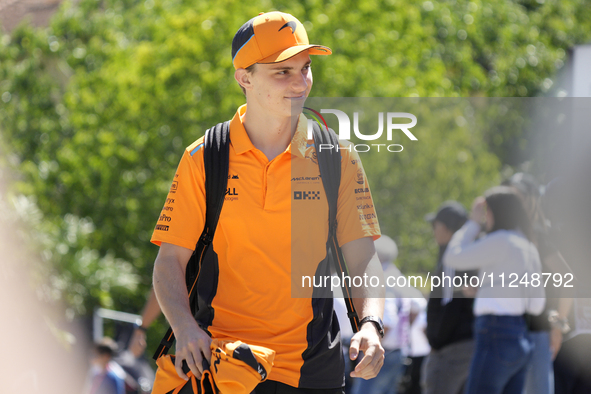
x=216 y=159
x=329 y=163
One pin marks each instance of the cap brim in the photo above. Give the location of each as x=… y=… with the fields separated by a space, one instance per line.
x=292 y=51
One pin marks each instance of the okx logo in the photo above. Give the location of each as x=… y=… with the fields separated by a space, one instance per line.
x=306 y=195
x=392 y=122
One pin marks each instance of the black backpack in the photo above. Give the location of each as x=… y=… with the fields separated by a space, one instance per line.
x=216 y=161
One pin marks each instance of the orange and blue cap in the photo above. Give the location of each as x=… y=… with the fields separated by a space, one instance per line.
x=271 y=37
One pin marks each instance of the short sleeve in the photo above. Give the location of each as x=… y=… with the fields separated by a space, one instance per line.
x=356 y=214
x=182 y=218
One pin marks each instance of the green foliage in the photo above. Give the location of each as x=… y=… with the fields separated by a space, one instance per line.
x=68 y=270
x=97 y=108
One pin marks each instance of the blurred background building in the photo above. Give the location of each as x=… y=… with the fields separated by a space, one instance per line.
x=574 y=79
x=37 y=12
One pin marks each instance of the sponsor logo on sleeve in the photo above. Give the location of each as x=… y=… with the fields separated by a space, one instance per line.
x=174 y=186
x=360 y=178
x=162 y=227
x=362 y=190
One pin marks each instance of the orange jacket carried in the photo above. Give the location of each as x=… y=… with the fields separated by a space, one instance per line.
x=236 y=368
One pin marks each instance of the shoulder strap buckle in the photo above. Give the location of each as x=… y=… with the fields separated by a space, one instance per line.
x=206 y=238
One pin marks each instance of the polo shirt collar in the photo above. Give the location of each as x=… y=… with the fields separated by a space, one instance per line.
x=238 y=136
x=241 y=142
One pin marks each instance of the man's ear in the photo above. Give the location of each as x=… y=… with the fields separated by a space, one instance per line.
x=243 y=78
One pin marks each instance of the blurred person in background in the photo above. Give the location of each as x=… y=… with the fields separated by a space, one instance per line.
x=502 y=345
x=44 y=350
x=449 y=314
x=139 y=375
x=418 y=350
x=150 y=312
x=104 y=375
x=387 y=380
x=546 y=329
x=565 y=201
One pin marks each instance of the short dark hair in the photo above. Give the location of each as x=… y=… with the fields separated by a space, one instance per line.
x=249 y=69
x=451 y=214
x=507 y=210
x=106 y=346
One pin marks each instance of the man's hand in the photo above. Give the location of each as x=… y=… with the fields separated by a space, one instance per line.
x=478 y=212
x=367 y=340
x=192 y=345
x=362 y=259
x=137 y=344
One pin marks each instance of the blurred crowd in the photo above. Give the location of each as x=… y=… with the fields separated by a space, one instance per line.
x=528 y=339
x=458 y=339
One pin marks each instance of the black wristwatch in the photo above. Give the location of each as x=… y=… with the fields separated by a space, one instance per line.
x=376 y=322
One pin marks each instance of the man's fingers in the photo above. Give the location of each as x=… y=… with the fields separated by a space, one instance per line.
x=178 y=365
x=193 y=351
x=196 y=366
x=193 y=360
x=365 y=361
x=371 y=369
x=354 y=348
x=377 y=363
x=206 y=352
x=370 y=364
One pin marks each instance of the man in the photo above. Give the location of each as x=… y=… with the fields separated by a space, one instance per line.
x=104 y=379
x=449 y=315
x=265 y=234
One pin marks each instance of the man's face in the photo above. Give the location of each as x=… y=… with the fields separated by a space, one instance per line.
x=441 y=233
x=277 y=86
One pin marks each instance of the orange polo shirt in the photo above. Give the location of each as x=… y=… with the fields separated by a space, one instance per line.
x=272 y=231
